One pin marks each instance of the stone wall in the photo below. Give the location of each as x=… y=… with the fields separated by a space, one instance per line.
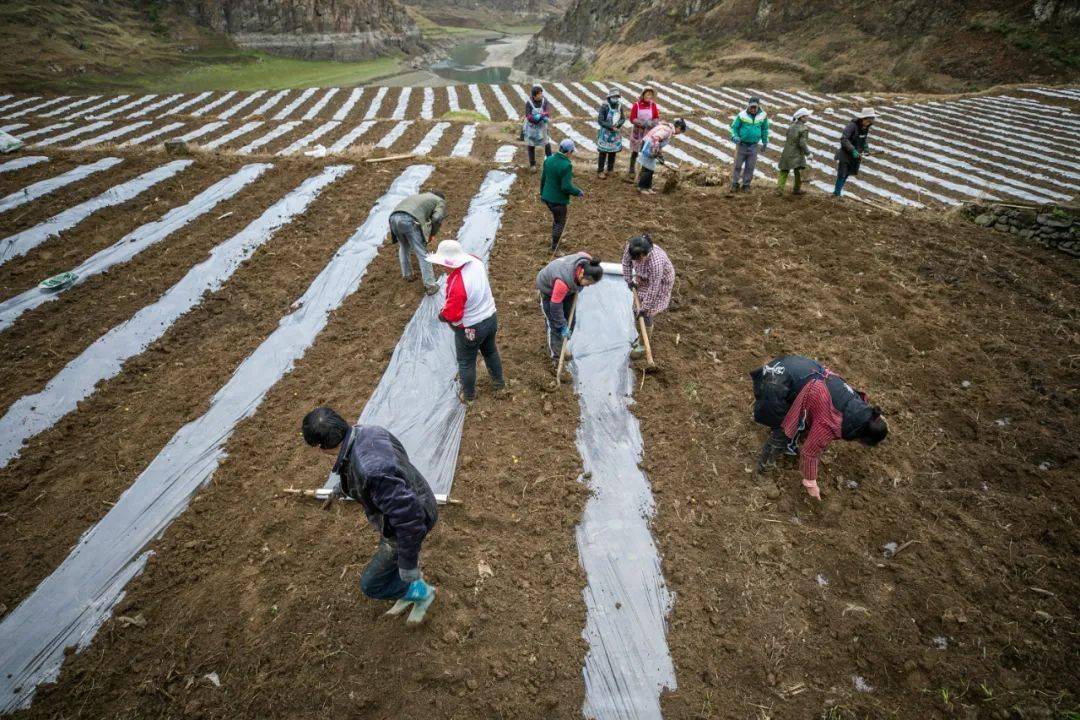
x=1050 y=225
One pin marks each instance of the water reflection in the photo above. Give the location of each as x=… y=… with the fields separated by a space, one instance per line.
x=465 y=65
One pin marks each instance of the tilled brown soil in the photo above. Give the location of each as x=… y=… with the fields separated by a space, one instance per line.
x=967 y=339
x=262 y=588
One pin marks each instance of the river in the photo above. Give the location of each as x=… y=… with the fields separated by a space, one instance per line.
x=475 y=60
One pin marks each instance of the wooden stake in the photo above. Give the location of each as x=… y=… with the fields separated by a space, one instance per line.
x=566 y=341
x=643 y=331
x=388 y=158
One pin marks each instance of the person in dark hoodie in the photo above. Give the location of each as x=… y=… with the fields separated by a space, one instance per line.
x=807 y=406
x=375 y=471
x=853 y=147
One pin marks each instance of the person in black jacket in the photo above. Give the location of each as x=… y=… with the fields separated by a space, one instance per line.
x=375 y=471
x=852 y=147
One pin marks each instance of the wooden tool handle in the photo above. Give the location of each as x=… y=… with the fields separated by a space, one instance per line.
x=643 y=331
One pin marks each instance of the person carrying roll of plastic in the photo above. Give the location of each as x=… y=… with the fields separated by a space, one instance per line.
x=749 y=129
x=559 y=283
x=853 y=147
x=647 y=269
x=470 y=311
x=376 y=472
x=557 y=187
x=796 y=153
x=807 y=406
x=652 y=152
x=413 y=223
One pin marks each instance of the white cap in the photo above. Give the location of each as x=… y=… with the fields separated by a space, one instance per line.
x=450 y=254
x=865 y=113
x=801 y=112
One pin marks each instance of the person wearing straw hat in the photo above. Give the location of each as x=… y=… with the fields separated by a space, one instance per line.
x=796 y=152
x=557 y=187
x=807 y=406
x=749 y=129
x=610 y=118
x=469 y=310
x=853 y=147
x=534 y=126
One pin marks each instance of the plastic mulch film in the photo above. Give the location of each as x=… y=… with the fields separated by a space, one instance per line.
x=22 y=162
x=104 y=358
x=48 y=185
x=628 y=663
x=137 y=240
x=417 y=397
x=23 y=242
x=68 y=607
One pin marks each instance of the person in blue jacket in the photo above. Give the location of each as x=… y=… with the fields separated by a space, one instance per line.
x=375 y=471
x=749 y=129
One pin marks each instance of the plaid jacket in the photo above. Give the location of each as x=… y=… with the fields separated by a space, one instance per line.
x=655 y=279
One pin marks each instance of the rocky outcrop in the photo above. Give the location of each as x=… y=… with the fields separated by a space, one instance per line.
x=831 y=44
x=1050 y=225
x=311 y=29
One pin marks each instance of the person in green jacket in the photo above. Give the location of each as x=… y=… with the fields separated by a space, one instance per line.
x=796 y=152
x=557 y=187
x=750 y=127
x=413 y=224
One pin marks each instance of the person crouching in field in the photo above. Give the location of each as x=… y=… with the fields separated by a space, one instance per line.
x=375 y=471
x=807 y=406
x=470 y=311
x=853 y=147
x=413 y=224
x=647 y=269
x=796 y=153
x=652 y=152
x=559 y=283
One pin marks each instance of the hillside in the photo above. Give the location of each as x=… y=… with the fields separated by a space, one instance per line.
x=488 y=13
x=832 y=45
x=60 y=45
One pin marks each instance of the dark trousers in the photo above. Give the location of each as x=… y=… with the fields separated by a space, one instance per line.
x=605 y=158
x=466 y=350
x=380 y=579
x=532 y=152
x=645 y=178
x=633 y=162
x=555 y=340
x=558 y=221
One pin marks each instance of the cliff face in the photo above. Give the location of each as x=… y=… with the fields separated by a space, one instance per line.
x=837 y=44
x=311 y=29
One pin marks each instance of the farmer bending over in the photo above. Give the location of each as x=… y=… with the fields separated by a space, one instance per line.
x=559 y=283
x=375 y=471
x=647 y=269
x=807 y=406
x=414 y=223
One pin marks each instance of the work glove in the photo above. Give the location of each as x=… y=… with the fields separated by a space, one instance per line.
x=418 y=597
x=418 y=590
x=855 y=153
x=565 y=332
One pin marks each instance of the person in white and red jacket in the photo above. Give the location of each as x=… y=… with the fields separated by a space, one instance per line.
x=470 y=310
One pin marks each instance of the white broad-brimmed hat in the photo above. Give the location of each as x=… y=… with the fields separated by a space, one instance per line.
x=450 y=255
x=866 y=113
x=802 y=112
